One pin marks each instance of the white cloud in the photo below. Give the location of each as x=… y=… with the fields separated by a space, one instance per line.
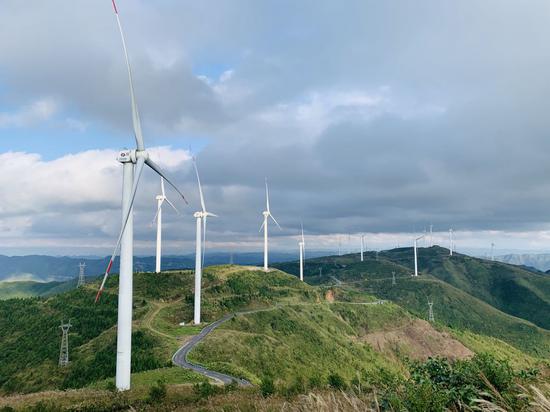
x=38 y=111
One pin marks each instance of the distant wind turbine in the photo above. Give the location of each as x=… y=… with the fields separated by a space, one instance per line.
x=362 y=247
x=267 y=214
x=431 y=235
x=416 y=255
x=492 y=251
x=158 y=218
x=200 y=246
x=131 y=175
x=302 y=245
x=451 y=246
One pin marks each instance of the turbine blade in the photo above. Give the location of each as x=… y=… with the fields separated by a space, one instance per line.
x=200 y=187
x=302 y=225
x=135 y=112
x=211 y=214
x=171 y=204
x=162 y=187
x=266 y=195
x=158 y=211
x=262 y=226
x=159 y=171
x=126 y=216
x=277 y=223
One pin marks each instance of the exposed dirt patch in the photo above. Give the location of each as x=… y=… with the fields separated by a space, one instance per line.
x=417 y=340
x=329 y=296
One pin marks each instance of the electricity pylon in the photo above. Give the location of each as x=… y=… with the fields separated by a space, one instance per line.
x=64 y=351
x=81 y=278
x=431 y=312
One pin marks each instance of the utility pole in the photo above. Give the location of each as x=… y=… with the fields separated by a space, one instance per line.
x=81 y=277
x=431 y=312
x=64 y=351
x=393 y=278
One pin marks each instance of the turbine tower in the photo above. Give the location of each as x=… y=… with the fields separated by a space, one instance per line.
x=431 y=312
x=267 y=214
x=133 y=162
x=362 y=247
x=416 y=254
x=451 y=245
x=492 y=252
x=81 y=277
x=64 y=350
x=200 y=245
x=158 y=217
x=302 y=245
x=431 y=235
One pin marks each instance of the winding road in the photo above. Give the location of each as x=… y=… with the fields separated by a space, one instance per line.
x=180 y=357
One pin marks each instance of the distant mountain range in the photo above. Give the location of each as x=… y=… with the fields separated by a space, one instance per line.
x=52 y=268
x=540 y=261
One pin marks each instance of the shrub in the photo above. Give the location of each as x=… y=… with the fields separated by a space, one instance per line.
x=336 y=381
x=204 y=390
x=157 y=393
x=267 y=387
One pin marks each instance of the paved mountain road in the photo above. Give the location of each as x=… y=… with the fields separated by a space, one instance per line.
x=180 y=357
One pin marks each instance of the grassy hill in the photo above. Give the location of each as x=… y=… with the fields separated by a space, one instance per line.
x=509 y=288
x=453 y=306
x=297 y=335
x=27 y=289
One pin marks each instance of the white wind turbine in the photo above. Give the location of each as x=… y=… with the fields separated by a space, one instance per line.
x=200 y=245
x=158 y=218
x=362 y=247
x=302 y=245
x=267 y=214
x=416 y=255
x=451 y=245
x=133 y=162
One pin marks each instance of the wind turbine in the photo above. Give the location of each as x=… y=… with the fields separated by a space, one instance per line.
x=431 y=235
x=133 y=162
x=362 y=246
x=302 y=245
x=158 y=217
x=416 y=255
x=451 y=246
x=492 y=251
x=267 y=214
x=200 y=245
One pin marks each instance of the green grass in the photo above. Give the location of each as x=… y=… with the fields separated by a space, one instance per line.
x=299 y=341
x=27 y=289
x=453 y=306
x=169 y=375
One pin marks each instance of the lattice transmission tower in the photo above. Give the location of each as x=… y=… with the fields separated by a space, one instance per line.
x=431 y=312
x=81 y=275
x=64 y=351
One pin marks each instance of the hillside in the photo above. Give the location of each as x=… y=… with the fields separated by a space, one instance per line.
x=453 y=306
x=343 y=328
x=508 y=288
x=26 y=289
x=61 y=268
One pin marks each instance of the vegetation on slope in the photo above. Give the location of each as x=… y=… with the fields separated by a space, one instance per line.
x=27 y=289
x=452 y=307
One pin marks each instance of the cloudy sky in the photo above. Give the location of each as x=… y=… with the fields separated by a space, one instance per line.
x=366 y=116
